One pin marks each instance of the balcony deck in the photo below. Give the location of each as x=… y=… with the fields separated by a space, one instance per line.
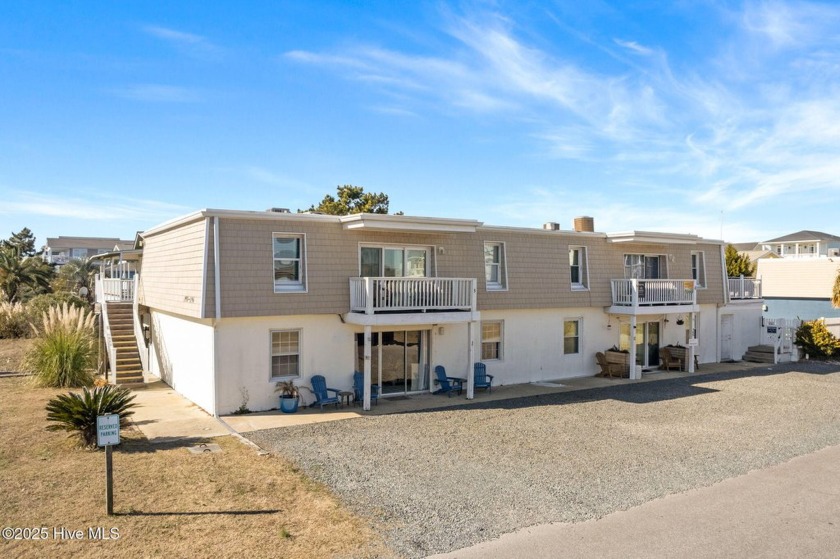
x=744 y=288
x=399 y=300
x=653 y=296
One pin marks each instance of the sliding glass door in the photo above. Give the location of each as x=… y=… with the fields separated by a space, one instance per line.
x=393 y=262
x=399 y=360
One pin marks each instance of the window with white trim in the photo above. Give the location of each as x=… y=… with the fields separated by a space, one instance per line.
x=491 y=340
x=289 y=264
x=578 y=268
x=495 y=272
x=571 y=336
x=285 y=353
x=698 y=268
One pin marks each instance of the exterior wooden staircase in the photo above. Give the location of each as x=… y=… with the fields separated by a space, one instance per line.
x=760 y=354
x=128 y=368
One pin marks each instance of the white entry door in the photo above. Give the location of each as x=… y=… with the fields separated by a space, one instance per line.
x=726 y=321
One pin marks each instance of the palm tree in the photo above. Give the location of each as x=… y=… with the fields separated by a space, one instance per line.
x=21 y=275
x=76 y=274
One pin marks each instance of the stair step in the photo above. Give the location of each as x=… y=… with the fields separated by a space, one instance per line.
x=758 y=357
x=761 y=349
x=128 y=359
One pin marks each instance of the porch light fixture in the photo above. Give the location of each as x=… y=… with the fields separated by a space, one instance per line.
x=680 y=321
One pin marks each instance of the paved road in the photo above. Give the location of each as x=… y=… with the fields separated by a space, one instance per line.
x=788 y=510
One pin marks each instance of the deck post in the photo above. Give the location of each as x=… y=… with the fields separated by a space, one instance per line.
x=368 y=295
x=471 y=329
x=367 y=373
x=632 y=360
x=692 y=335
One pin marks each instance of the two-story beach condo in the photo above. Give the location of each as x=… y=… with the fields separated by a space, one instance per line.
x=230 y=302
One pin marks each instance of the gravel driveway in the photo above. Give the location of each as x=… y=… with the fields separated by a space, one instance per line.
x=444 y=479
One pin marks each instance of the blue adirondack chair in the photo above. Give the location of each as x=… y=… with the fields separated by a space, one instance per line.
x=448 y=385
x=322 y=396
x=359 y=388
x=481 y=378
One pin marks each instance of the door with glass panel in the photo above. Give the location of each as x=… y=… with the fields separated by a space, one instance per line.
x=647 y=342
x=399 y=360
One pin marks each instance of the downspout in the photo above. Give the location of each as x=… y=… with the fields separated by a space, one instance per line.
x=218 y=304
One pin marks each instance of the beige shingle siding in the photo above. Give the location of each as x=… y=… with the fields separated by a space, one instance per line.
x=171 y=274
x=536 y=261
x=800 y=277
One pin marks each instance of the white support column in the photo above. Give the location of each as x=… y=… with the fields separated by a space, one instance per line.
x=366 y=397
x=692 y=335
x=368 y=295
x=632 y=373
x=471 y=330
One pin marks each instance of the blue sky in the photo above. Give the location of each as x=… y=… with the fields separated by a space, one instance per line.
x=692 y=117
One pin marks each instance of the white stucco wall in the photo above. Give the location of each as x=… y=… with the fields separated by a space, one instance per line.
x=746 y=328
x=532 y=350
x=181 y=354
x=533 y=344
x=244 y=357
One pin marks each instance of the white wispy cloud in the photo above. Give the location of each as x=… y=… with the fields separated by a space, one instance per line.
x=158 y=93
x=634 y=47
x=189 y=44
x=757 y=119
x=97 y=207
x=274 y=178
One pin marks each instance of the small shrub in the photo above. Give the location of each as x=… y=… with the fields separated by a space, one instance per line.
x=77 y=413
x=815 y=339
x=40 y=304
x=14 y=320
x=64 y=355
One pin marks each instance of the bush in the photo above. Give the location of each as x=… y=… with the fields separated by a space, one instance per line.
x=40 y=304
x=815 y=339
x=77 y=413
x=64 y=355
x=14 y=321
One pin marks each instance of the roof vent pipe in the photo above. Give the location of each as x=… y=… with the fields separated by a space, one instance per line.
x=551 y=226
x=584 y=224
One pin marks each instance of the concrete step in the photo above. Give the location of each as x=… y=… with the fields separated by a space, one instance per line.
x=761 y=349
x=758 y=357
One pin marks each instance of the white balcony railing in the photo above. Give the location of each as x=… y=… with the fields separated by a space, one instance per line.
x=372 y=295
x=115 y=289
x=744 y=288
x=653 y=292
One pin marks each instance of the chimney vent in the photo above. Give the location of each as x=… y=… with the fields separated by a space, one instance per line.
x=551 y=226
x=279 y=210
x=584 y=224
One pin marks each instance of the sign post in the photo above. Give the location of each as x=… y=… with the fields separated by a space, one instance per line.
x=107 y=435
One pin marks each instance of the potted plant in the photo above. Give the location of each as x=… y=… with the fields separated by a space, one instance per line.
x=289 y=396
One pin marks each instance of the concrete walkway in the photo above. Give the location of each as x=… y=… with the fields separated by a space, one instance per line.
x=788 y=510
x=163 y=415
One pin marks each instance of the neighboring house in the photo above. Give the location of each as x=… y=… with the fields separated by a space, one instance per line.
x=230 y=302
x=803 y=244
x=61 y=250
x=798 y=287
x=756 y=255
